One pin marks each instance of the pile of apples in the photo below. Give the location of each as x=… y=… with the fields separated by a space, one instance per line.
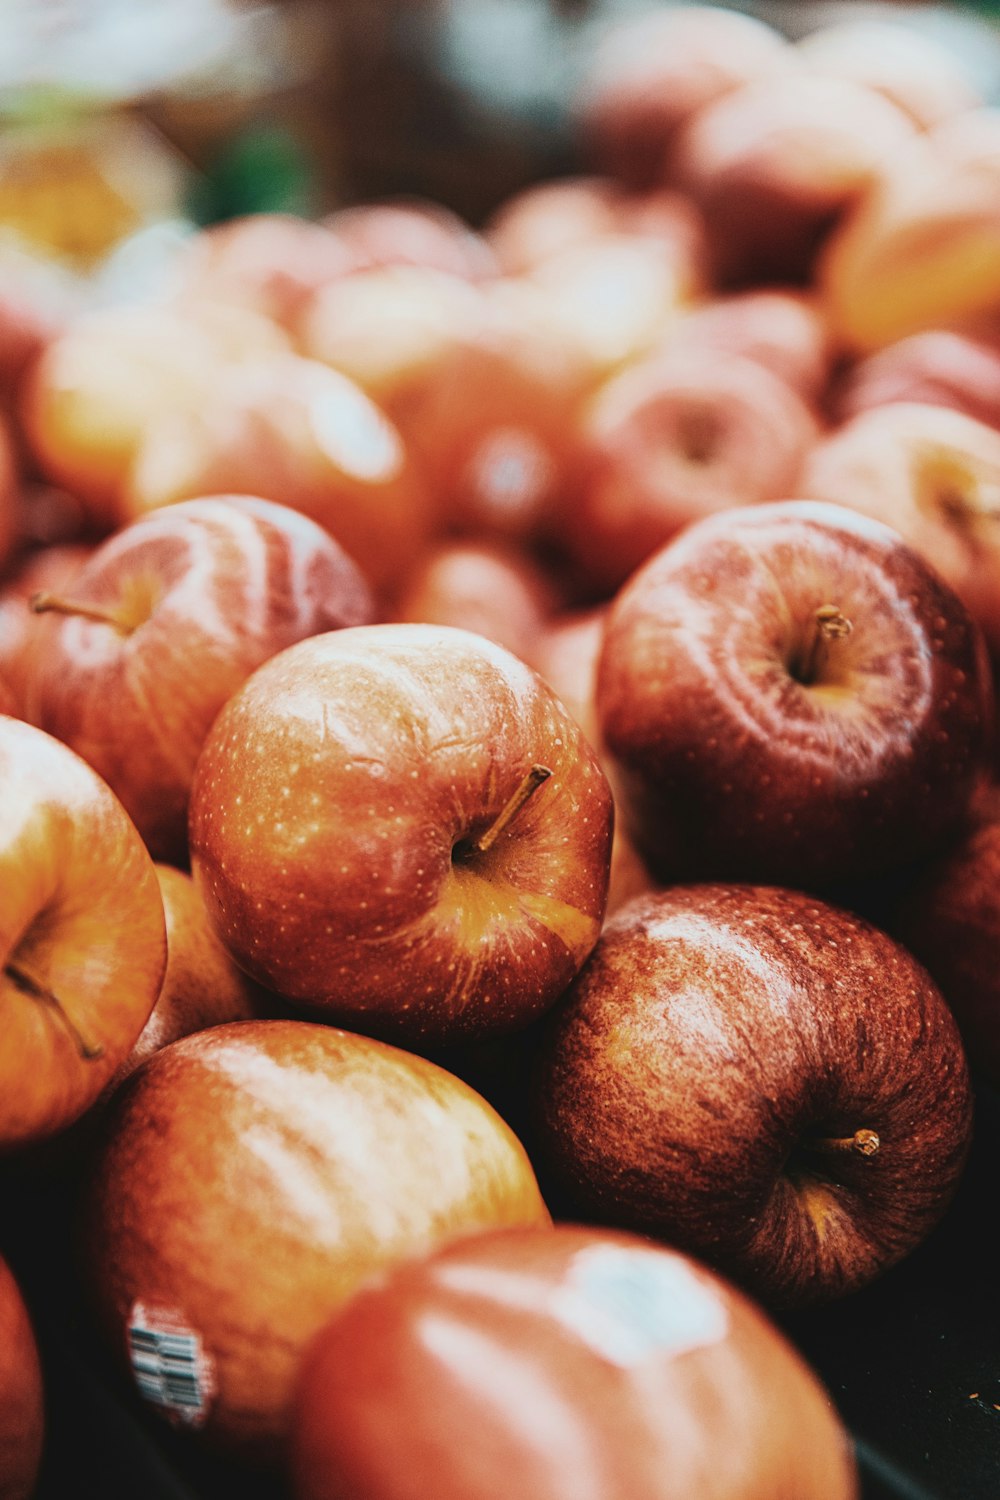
x=551 y=661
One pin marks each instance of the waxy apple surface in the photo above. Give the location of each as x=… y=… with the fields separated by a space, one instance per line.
x=252 y=1177
x=164 y=623
x=554 y=1364
x=791 y=694
x=82 y=942
x=337 y=815
x=761 y=1079
x=22 y=1415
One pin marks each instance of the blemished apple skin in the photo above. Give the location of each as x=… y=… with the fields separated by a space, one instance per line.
x=730 y=765
x=717 y=1042
x=81 y=924
x=253 y=1175
x=334 y=813
x=556 y=1364
x=22 y=1402
x=206 y=591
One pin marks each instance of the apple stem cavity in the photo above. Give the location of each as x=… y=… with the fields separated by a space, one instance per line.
x=509 y=812
x=863 y=1142
x=829 y=624
x=45 y=603
x=89 y=1051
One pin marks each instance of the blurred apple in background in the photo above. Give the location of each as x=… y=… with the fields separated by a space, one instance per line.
x=412 y=232
x=667 y=441
x=779 y=328
x=293 y=431
x=251 y=1178
x=553 y=1364
x=934 y=476
x=82 y=944
x=760 y=1079
x=9 y=500
x=163 y=624
x=649 y=74
x=22 y=1402
x=402 y=827
x=790 y=693
x=935 y=368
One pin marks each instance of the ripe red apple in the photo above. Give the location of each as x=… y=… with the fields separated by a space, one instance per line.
x=401 y=826
x=761 y=1079
x=164 y=623
x=553 y=1364
x=791 y=694
x=251 y=1178
x=82 y=944
x=669 y=439
x=412 y=232
x=50 y=568
x=22 y=1412
x=777 y=327
x=940 y=367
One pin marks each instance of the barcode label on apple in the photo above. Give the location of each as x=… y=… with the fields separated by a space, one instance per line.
x=170 y=1365
x=632 y=1305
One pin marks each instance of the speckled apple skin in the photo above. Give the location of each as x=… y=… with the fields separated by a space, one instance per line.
x=328 y=802
x=556 y=1365
x=254 y=1174
x=713 y=1030
x=22 y=1414
x=732 y=768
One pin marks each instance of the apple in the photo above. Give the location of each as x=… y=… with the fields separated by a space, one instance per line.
x=791 y=694
x=82 y=942
x=760 y=1079
x=552 y=1364
x=291 y=430
x=672 y=438
x=931 y=473
x=49 y=568
x=651 y=72
x=778 y=327
x=22 y=1409
x=776 y=164
x=250 y=1178
x=939 y=367
x=412 y=232
x=493 y=590
x=166 y=620
x=402 y=827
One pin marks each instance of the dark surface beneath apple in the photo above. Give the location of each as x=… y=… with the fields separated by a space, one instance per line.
x=911 y=1363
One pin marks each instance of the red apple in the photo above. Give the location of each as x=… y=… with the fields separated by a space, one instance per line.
x=412 y=232
x=553 y=1364
x=22 y=1412
x=251 y=1178
x=790 y=693
x=933 y=474
x=50 y=568
x=761 y=1079
x=937 y=368
x=164 y=623
x=82 y=944
x=779 y=328
x=401 y=826
x=670 y=439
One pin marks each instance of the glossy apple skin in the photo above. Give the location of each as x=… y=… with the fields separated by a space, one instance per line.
x=255 y=1174
x=81 y=918
x=719 y=1030
x=729 y=764
x=330 y=818
x=22 y=1413
x=932 y=474
x=211 y=588
x=559 y=1363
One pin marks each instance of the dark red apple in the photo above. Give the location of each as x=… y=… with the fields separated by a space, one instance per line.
x=22 y=1409
x=791 y=694
x=163 y=624
x=251 y=1177
x=402 y=826
x=761 y=1079
x=553 y=1364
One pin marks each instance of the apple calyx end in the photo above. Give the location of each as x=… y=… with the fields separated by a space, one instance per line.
x=45 y=603
x=829 y=624
x=88 y=1051
x=863 y=1142
x=510 y=810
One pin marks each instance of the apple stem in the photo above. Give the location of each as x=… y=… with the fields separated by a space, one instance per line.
x=531 y=782
x=28 y=986
x=829 y=624
x=863 y=1142
x=45 y=603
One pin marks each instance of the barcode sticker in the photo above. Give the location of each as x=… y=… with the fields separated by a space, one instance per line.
x=171 y=1366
